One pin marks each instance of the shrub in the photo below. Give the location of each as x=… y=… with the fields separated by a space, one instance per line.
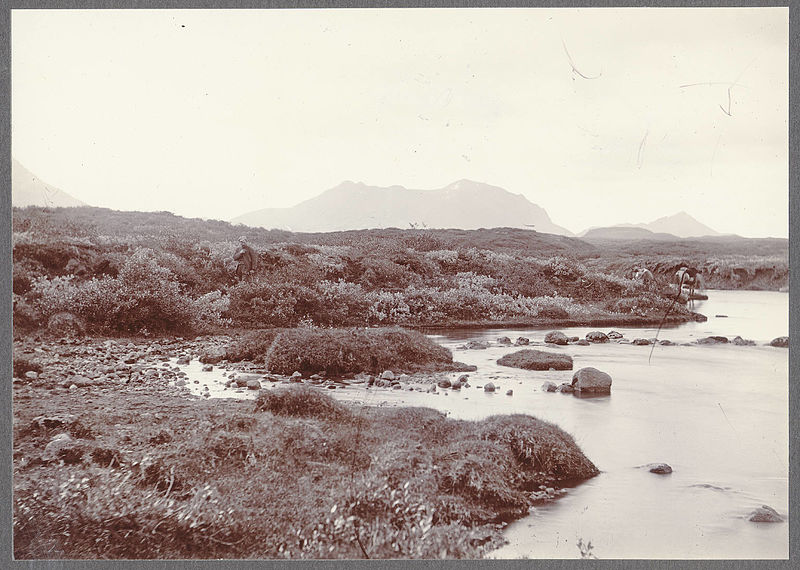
x=530 y=359
x=343 y=351
x=302 y=401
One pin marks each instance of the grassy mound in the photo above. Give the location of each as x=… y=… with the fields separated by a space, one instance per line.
x=299 y=476
x=530 y=359
x=342 y=351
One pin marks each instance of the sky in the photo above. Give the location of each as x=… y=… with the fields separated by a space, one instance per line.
x=600 y=116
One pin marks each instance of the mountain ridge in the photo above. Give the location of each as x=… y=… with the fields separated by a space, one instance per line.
x=28 y=190
x=463 y=204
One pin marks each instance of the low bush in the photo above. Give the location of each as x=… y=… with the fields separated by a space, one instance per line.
x=530 y=359
x=304 y=402
x=343 y=351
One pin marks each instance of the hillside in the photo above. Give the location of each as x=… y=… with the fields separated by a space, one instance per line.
x=28 y=190
x=150 y=226
x=680 y=225
x=627 y=233
x=464 y=204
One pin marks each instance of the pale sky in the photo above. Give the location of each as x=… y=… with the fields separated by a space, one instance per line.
x=214 y=113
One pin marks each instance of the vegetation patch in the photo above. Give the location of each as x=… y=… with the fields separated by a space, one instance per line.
x=530 y=359
x=297 y=476
x=342 y=351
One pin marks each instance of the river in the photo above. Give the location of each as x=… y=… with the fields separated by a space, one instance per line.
x=717 y=414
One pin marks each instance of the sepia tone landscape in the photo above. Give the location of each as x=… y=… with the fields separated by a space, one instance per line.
x=221 y=352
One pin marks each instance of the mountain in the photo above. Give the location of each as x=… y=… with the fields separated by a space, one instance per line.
x=626 y=233
x=680 y=225
x=353 y=205
x=28 y=190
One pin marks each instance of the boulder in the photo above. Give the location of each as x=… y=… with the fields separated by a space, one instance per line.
x=444 y=383
x=780 y=342
x=713 y=340
x=488 y=387
x=503 y=340
x=666 y=343
x=597 y=336
x=556 y=337
x=765 y=514
x=476 y=345
x=78 y=381
x=566 y=388
x=463 y=379
x=582 y=342
x=184 y=360
x=549 y=387
x=296 y=377
x=614 y=335
x=739 y=341
x=213 y=355
x=455 y=386
x=53 y=422
x=530 y=359
x=31 y=375
x=591 y=380
x=659 y=468
x=208 y=367
x=63 y=447
x=641 y=342
x=522 y=341
x=510 y=393
x=253 y=384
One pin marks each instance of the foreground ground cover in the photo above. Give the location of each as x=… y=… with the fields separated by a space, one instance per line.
x=150 y=474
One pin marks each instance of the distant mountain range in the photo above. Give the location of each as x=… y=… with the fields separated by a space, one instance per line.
x=353 y=205
x=28 y=190
x=680 y=225
x=464 y=204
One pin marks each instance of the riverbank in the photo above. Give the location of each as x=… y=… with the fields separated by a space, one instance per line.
x=128 y=465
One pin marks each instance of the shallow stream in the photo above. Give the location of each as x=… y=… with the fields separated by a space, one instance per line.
x=717 y=414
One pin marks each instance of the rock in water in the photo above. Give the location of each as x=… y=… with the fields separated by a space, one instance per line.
x=444 y=383
x=476 y=345
x=556 y=337
x=591 y=380
x=489 y=387
x=582 y=342
x=765 y=514
x=739 y=341
x=713 y=340
x=549 y=387
x=641 y=342
x=207 y=368
x=614 y=335
x=780 y=342
x=659 y=468
x=184 y=360
x=503 y=340
x=522 y=341
x=387 y=375
x=597 y=336
x=510 y=393
x=253 y=385
x=565 y=388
